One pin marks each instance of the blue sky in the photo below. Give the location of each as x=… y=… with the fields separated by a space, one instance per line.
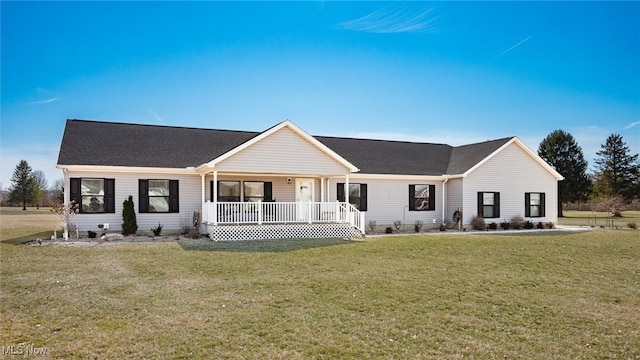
x=445 y=72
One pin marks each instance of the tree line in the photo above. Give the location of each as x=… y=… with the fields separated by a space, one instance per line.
x=614 y=182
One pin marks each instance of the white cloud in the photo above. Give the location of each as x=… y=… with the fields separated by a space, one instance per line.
x=156 y=116
x=390 y=19
x=40 y=102
x=632 y=125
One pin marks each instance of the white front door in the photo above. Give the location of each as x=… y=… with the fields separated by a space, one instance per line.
x=304 y=195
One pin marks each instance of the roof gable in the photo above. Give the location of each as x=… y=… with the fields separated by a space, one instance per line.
x=280 y=128
x=487 y=146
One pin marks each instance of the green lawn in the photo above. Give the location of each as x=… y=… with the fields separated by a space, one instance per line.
x=543 y=296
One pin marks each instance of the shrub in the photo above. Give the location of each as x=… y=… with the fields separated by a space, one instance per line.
x=372 y=225
x=632 y=225
x=91 y=234
x=517 y=222
x=550 y=225
x=157 y=230
x=505 y=225
x=388 y=230
x=418 y=226
x=528 y=225
x=477 y=223
x=443 y=227
x=493 y=226
x=129 y=223
x=397 y=224
x=540 y=225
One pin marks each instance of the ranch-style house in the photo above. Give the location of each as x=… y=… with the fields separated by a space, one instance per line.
x=283 y=182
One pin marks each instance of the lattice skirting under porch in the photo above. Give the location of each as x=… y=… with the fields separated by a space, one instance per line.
x=282 y=231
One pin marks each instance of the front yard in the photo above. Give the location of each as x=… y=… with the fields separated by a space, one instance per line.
x=541 y=296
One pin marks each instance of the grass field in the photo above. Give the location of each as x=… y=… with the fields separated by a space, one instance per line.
x=553 y=295
x=598 y=219
x=16 y=223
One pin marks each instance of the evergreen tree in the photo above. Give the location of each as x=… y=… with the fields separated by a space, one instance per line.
x=24 y=187
x=617 y=171
x=129 y=222
x=561 y=151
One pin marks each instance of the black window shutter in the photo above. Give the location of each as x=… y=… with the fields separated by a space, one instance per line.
x=480 y=203
x=496 y=205
x=143 y=196
x=363 y=197
x=527 y=204
x=542 y=205
x=110 y=195
x=412 y=197
x=340 y=192
x=75 y=192
x=268 y=191
x=432 y=197
x=174 y=196
x=211 y=190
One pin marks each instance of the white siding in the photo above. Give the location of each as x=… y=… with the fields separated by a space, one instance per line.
x=283 y=152
x=454 y=191
x=127 y=184
x=512 y=173
x=388 y=201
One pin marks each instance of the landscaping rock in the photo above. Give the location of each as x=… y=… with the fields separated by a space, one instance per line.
x=113 y=237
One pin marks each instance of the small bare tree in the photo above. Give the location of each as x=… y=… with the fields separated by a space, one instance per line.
x=65 y=213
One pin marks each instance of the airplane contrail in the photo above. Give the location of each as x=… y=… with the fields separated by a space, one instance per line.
x=517 y=44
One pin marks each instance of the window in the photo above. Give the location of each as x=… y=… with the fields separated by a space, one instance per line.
x=422 y=197
x=95 y=195
x=254 y=191
x=228 y=191
x=489 y=204
x=357 y=195
x=534 y=204
x=158 y=196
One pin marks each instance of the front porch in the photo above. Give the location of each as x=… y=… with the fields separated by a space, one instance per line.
x=278 y=220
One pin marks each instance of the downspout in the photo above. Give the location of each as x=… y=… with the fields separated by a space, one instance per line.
x=444 y=194
x=67 y=201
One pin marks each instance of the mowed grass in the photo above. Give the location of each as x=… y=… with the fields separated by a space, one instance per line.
x=545 y=296
x=599 y=218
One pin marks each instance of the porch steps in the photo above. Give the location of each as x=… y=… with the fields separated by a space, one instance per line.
x=282 y=231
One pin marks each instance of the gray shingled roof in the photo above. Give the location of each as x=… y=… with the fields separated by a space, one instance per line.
x=117 y=144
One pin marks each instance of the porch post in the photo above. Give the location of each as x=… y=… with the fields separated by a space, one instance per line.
x=321 y=189
x=346 y=189
x=204 y=195
x=215 y=197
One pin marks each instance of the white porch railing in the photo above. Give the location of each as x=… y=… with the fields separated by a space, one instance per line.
x=281 y=212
